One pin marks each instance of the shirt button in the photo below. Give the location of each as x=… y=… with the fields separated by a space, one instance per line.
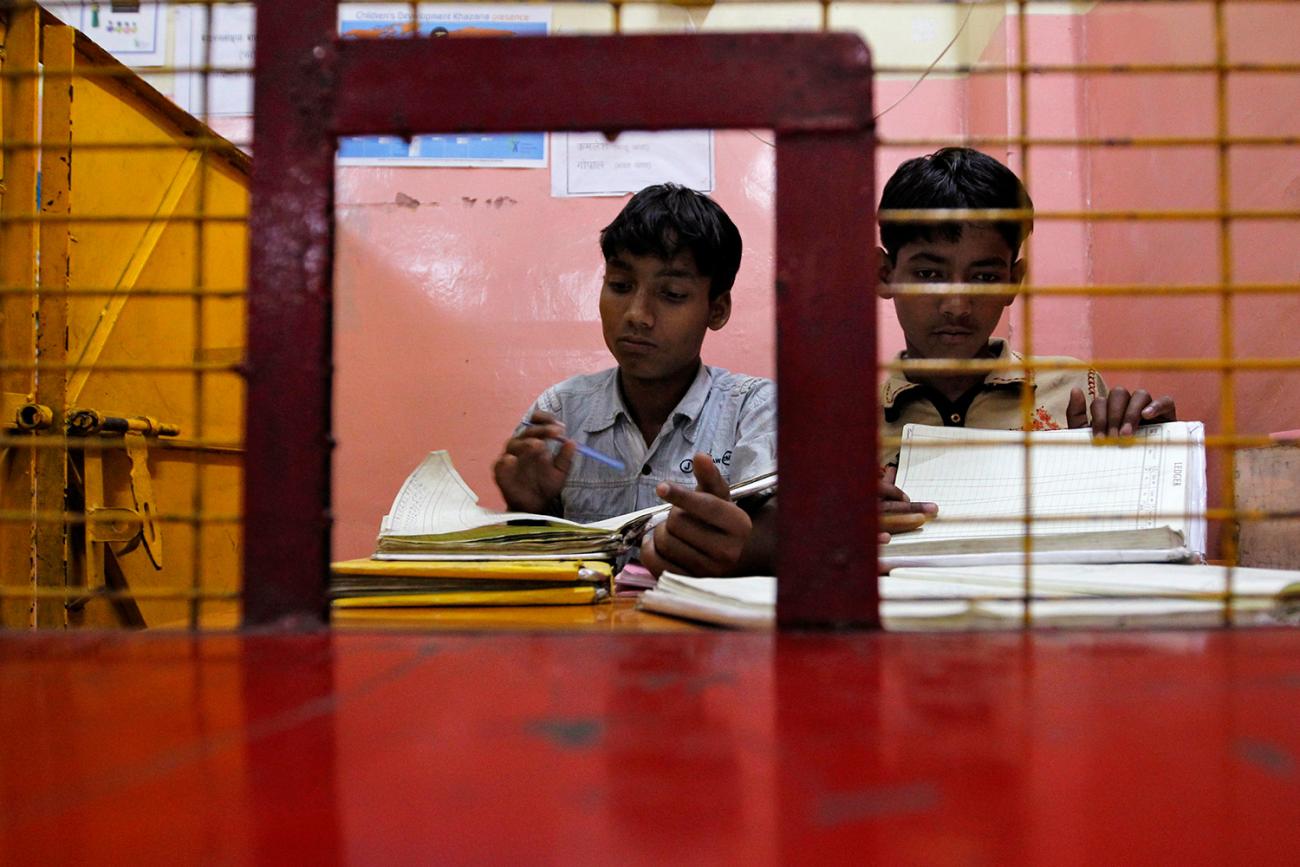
x=955 y=418
x=645 y=471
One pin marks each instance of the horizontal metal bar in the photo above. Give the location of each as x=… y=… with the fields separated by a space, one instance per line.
x=60 y=440
x=86 y=593
x=124 y=218
x=19 y=516
x=225 y=146
x=899 y=215
x=1108 y=69
x=116 y=291
x=126 y=367
x=1085 y=598
x=930 y=215
x=1091 y=141
x=1211 y=514
x=1226 y=442
x=1191 y=68
x=424 y=79
x=91 y=72
x=207 y=143
x=1107 y=289
x=948 y=365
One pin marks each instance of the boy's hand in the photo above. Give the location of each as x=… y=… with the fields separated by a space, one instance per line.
x=705 y=533
x=898 y=514
x=1119 y=414
x=529 y=476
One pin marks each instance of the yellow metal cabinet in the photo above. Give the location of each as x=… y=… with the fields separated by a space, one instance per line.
x=122 y=321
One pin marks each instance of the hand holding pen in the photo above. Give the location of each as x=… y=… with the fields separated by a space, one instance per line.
x=530 y=475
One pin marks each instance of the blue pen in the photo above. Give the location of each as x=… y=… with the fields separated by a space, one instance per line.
x=588 y=451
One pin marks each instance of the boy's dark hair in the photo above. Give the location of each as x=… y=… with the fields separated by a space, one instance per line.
x=665 y=219
x=953 y=177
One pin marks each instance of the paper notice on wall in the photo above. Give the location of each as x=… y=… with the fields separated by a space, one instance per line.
x=436 y=21
x=588 y=164
x=226 y=44
x=134 y=33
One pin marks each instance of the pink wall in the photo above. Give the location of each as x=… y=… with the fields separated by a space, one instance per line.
x=455 y=314
x=452 y=315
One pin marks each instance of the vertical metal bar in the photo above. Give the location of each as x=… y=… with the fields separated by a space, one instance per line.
x=18 y=270
x=826 y=338
x=1026 y=311
x=1227 y=393
x=287 y=475
x=50 y=464
x=198 y=281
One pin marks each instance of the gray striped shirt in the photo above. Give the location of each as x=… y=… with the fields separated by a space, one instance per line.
x=730 y=416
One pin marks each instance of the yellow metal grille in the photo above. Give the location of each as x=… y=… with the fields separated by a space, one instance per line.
x=198 y=197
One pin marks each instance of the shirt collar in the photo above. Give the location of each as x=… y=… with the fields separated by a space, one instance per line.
x=608 y=404
x=691 y=406
x=898 y=384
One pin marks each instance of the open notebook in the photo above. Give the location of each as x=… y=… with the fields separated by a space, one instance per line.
x=435 y=515
x=1110 y=595
x=1143 y=502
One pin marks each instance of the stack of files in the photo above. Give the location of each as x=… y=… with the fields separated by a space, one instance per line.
x=436 y=516
x=1133 y=503
x=407 y=584
x=989 y=597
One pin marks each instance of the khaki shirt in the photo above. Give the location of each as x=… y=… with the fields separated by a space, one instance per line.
x=997 y=404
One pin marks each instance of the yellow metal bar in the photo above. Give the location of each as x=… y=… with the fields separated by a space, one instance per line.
x=50 y=465
x=989 y=365
x=136 y=292
x=1227 y=390
x=197 y=280
x=1100 y=69
x=216 y=144
x=80 y=518
x=1107 y=289
x=928 y=215
x=1027 y=319
x=902 y=216
x=105 y=444
x=98 y=338
x=1090 y=141
x=54 y=594
x=18 y=246
x=1211 y=441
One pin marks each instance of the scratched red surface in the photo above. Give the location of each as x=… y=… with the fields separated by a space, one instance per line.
x=1173 y=747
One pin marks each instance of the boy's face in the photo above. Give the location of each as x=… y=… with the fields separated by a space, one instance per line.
x=654 y=313
x=950 y=326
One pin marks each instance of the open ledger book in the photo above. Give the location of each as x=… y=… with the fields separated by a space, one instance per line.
x=971 y=597
x=1090 y=503
x=436 y=516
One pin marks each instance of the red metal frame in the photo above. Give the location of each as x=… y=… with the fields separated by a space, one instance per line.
x=812 y=90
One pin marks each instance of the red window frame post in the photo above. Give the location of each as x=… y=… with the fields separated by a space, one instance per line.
x=812 y=90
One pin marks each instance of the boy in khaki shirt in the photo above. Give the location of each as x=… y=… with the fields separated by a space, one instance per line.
x=959 y=326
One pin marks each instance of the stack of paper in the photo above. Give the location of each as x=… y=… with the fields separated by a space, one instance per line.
x=1089 y=503
x=437 y=546
x=380 y=584
x=1105 y=596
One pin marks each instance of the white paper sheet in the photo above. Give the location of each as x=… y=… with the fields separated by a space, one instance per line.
x=588 y=164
